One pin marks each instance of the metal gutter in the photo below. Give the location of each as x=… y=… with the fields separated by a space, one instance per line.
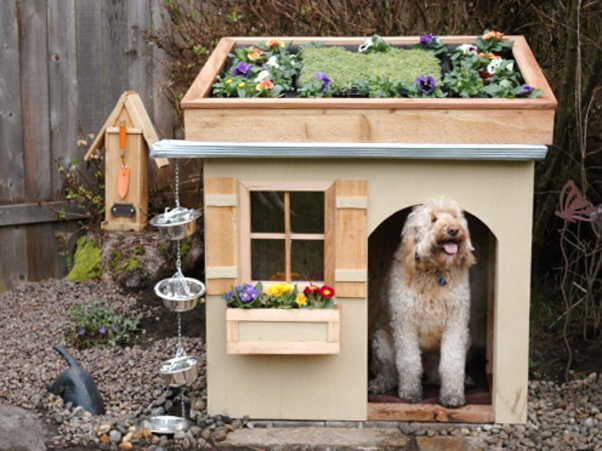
x=178 y=148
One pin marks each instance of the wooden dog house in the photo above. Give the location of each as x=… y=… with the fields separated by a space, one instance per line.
x=363 y=162
x=126 y=136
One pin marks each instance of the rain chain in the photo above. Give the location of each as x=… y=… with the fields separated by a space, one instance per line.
x=179 y=294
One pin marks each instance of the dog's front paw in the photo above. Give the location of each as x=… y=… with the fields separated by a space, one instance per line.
x=452 y=400
x=411 y=396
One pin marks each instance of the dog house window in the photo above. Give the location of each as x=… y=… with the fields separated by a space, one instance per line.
x=287 y=236
x=284 y=233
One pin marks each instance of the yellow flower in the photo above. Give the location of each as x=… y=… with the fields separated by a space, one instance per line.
x=278 y=289
x=253 y=55
x=301 y=299
x=242 y=84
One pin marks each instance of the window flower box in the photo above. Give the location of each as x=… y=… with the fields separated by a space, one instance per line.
x=428 y=119
x=278 y=331
x=283 y=320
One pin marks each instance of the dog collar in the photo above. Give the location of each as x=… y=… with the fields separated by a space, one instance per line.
x=440 y=279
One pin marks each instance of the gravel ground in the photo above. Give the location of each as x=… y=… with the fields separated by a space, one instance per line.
x=32 y=319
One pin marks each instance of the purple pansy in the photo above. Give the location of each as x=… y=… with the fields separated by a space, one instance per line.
x=115 y=327
x=321 y=76
x=242 y=69
x=229 y=295
x=248 y=294
x=426 y=84
x=82 y=331
x=426 y=39
x=102 y=330
x=526 y=90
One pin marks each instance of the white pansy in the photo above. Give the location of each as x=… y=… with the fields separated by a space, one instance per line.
x=510 y=66
x=273 y=61
x=494 y=65
x=366 y=45
x=467 y=49
x=262 y=76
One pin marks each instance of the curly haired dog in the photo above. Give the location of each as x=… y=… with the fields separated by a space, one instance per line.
x=427 y=294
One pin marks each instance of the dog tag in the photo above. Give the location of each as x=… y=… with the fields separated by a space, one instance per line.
x=123 y=210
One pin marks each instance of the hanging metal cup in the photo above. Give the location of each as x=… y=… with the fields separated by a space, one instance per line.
x=180 y=370
x=176 y=224
x=180 y=293
x=165 y=424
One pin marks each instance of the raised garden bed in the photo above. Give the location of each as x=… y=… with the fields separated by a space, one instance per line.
x=355 y=119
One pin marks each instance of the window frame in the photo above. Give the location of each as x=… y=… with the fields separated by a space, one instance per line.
x=245 y=228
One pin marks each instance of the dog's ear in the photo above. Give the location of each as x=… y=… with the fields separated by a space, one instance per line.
x=409 y=240
x=468 y=257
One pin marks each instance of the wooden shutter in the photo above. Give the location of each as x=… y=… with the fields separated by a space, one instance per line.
x=351 y=252
x=221 y=233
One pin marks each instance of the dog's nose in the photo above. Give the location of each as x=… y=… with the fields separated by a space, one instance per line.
x=452 y=231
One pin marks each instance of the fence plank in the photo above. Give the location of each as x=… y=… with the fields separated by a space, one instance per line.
x=13 y=260
x=140 y=52
x=114 y=42
x=90 y=82
x=12 y=185
x=163 y=112
x=63 y=87
x=35 y=99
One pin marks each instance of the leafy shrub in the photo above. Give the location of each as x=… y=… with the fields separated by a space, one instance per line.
x=97 y=324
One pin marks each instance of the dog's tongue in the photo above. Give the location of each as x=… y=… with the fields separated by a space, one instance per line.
x=450 y=248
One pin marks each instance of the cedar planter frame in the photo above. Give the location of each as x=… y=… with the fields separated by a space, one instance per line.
x=400 y=120
x=276 y=321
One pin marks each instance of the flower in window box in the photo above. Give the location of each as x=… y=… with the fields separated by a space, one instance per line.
x=326 y=292
x=248 y=293
x=301 y=300
x=278 y=289
x=311 y=289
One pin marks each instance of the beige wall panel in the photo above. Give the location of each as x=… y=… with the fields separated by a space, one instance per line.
x=371 y=125
x=331 y=387
x=498 y=193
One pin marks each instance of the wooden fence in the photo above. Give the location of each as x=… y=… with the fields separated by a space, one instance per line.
x=63 y=65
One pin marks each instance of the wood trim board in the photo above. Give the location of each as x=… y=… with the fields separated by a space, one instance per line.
x=430 y=413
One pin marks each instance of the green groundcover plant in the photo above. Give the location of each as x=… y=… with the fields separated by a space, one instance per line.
x=377 y=69
x=97 y=324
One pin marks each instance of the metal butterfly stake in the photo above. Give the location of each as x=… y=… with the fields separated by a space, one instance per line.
x=572 y=208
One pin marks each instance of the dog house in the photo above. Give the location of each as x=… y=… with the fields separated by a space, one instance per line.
x=341 y=175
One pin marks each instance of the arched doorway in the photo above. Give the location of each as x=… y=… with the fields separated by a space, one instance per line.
x=383 y=242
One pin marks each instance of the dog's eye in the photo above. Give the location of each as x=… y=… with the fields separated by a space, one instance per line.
x=433 y=218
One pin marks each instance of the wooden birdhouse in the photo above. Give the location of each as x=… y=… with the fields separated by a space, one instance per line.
x=126 y=137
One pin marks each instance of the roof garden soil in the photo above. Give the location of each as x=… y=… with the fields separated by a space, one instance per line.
x=344 y=67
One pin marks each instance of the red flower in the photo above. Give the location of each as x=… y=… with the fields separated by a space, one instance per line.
x=310 y=289
x=326 y=292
